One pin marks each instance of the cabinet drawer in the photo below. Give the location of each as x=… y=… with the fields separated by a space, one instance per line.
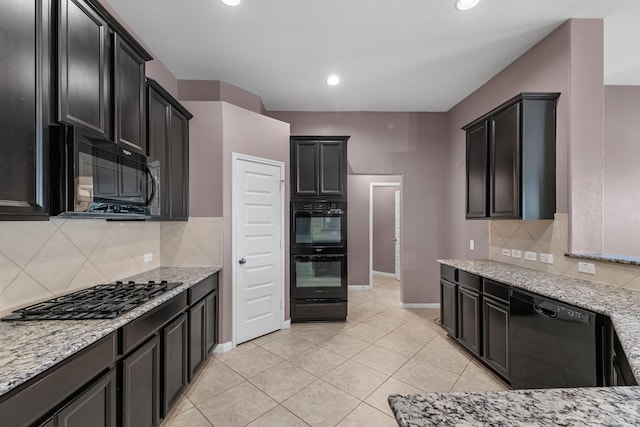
x=496 y=290
x=448 y=273
x=198 y=291
x=140 y=329
x=319 y=311
x=469 y=280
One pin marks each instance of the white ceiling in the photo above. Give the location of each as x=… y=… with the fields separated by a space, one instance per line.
x=392 y=55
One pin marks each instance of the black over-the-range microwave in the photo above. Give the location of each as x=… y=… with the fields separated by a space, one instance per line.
x=94 y=177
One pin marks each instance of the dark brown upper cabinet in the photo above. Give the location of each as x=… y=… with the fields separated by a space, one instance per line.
x=101 y=71
x=319 y=167
x=477 y=161
x=129 y=85
x=511 y=160
x=84 y=66
x=24 y=112
x=168 y=143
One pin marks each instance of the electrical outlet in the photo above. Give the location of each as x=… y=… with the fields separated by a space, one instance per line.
x=472 y=245
x=515 y=253
x=546 y=258
x=530 y=256
x=506 y=252
x=586 y=267
x=148 y=257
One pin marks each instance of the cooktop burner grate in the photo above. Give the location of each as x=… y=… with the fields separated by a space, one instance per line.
x=98 y=302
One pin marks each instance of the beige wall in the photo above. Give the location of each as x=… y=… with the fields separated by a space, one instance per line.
x=562 y=62
x=218 y=130
x=552 y=237
x=384 y=259
x=44 y=259
x=413 y=145
x=621 y=206
x=358 y=190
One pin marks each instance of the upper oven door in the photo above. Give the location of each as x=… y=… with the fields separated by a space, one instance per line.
x=319 y=231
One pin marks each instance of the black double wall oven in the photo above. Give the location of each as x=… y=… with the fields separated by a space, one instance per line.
x=318 y=260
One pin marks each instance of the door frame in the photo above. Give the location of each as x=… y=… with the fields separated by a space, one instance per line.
x=371 y=187
x=236 y=157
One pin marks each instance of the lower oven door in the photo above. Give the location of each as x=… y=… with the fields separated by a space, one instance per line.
x=319 y=276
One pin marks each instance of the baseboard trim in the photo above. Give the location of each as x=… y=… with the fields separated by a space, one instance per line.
x=223 y=347
x=419 y=305
x=287 y=324
x=359 y=287
x=382 y=273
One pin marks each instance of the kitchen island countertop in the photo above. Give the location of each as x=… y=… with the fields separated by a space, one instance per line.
x=570 y=406
x=28 y=348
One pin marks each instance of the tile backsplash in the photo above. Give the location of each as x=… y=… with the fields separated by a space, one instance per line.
x=552 y=237
x=44 y=259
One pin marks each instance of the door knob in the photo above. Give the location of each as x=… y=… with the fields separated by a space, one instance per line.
x=242 y=261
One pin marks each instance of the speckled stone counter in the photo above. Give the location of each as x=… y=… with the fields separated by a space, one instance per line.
x=612 y=406
x=28 y=348
x=609 y=406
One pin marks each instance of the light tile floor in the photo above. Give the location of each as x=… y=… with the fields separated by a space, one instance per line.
x=328 y=374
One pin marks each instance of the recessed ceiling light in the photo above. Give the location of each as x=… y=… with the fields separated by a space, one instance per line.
x=333 y=80
x=465 y=4
x=231 y=2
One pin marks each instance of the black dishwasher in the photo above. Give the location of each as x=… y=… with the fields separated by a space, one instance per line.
x=553 y=344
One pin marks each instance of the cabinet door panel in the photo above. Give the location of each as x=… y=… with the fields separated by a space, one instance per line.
x=332 y=168
x=505 y=164
x=178 y=165
x=175 y=339
x=197 y=338
x=129 y=96
x=84 y=41
x=477 y=172
x=141 y=386
x=211 y=302
x=306 y=173
x=94 y=407
x=469 y=319
x=23 y=114
x=448 y=308
x=496 y=336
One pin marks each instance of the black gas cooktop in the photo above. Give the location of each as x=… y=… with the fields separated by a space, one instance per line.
x=98 y=302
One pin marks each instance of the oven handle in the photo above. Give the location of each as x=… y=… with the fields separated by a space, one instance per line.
x=320 y=256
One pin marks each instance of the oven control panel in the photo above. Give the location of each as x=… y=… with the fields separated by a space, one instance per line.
x=318 y=206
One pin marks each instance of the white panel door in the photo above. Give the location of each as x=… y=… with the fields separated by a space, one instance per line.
x=259 y=279
x=397 y=233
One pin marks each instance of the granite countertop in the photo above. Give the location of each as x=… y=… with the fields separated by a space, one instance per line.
x=577 y=406
x=28 y=348
x=610 y=406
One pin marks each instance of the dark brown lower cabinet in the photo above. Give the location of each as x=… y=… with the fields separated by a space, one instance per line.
x=175 y=362
x=496 y=336
x=469 y=319
x=197 y=337
x=448 y=309
x=95 y=407
x=211 y=303
x=141 y=386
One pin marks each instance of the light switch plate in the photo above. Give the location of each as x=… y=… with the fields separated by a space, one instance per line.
x=546 y=258
x=472 y=245
x=515 y=253
x=148 y=257
x=586 y=267
x=506 y=252
x=530 y=256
